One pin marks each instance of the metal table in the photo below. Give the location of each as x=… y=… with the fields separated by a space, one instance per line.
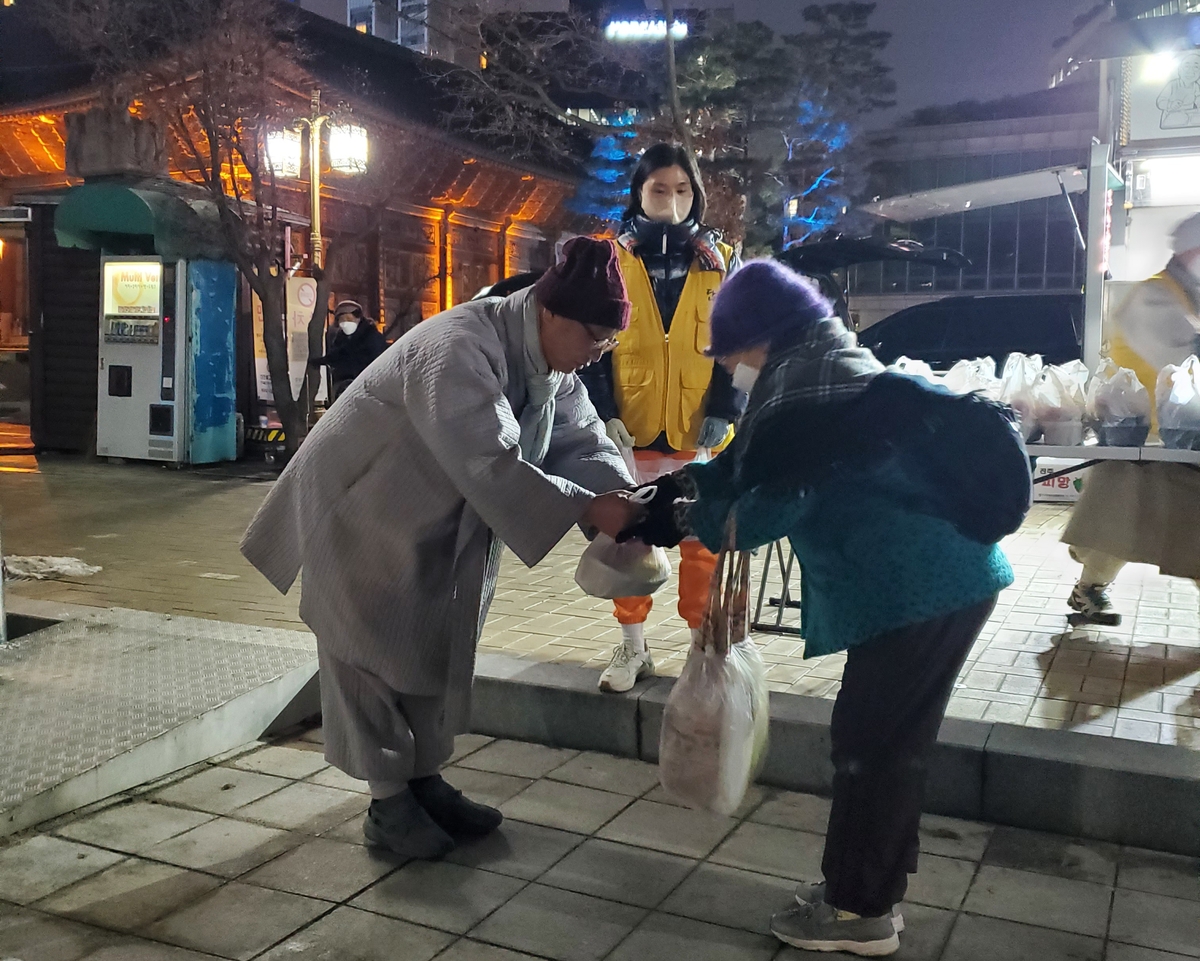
x=785 y=561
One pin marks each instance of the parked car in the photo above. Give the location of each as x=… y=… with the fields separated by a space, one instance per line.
x=946 y=331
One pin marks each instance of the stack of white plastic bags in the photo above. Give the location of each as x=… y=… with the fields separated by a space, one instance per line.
x=1118 y=406
x=714 y=730
x=1178 y=394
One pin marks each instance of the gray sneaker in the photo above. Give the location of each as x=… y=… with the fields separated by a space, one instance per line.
x=402 y=826
x=813 y=892
x=819 y=927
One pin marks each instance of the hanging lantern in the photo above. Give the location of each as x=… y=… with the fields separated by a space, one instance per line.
x=348 y=148
x=283 y=153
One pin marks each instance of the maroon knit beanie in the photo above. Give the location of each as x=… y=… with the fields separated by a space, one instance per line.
x=587 y=286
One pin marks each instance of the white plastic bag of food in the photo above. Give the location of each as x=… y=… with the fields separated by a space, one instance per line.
x=915 y=368
x=1178 y=394
x=1016 y=389
x=974 y=376
x=633 y=569
x=714 y=730
x=1118 y=406
x=1059 y=406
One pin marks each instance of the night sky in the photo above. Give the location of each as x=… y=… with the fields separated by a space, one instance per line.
x=944 y=51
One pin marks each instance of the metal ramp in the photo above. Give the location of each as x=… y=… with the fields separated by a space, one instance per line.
x=106 y=699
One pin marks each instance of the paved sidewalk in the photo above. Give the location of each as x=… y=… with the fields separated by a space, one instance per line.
x=167 y=541
x=260 y=856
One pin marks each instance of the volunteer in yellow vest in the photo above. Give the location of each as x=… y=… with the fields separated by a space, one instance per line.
x=1144 y=513
x=656 y=392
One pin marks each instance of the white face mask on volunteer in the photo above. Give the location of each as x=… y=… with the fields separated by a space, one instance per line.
x=348 y=326
x=745 y=377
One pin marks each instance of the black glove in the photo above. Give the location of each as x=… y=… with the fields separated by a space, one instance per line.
x=664 y=523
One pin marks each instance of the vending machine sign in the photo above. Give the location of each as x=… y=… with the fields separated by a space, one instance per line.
x=132 y=301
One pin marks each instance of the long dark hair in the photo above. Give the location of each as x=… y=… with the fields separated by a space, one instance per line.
x=659 y=157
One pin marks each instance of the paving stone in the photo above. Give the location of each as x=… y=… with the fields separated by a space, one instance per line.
x=663 y=827
x=1079 y=907
x=770 y=850
x=1131 y=952
x=286 y=762
x=218 y=790
x=32 y=936
x=237 y=921
x=130 y=895
x=567 y=807
x=352 y=935
x=225 y=847
x=800 y=812
x=332 y=777
x=755 y=795
x=953 y=838
x=940 y=882
x=559 y=924
x=305 y=807
x=733 y=898
x=1157 y=873
x=517 y=849
x=619 y=775
x=1154 y=921
x=134 y=827
x=518 y=759
x=135 y=949
x=330 y=870
x=466 y=744
x=468 y=950
x=662 y=937
x=348 y=832
x=990 y=939
x=485 y=786
x=42 y=864
x=619 y=872
x=444 y=896
x=1054 y=854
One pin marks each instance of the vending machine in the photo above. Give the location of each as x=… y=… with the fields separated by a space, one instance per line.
x=166 y=361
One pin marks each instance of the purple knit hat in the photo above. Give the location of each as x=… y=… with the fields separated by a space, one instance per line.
x=760 y=302
x=587 y=285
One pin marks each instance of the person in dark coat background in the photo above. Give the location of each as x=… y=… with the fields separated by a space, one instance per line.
x=356 y=343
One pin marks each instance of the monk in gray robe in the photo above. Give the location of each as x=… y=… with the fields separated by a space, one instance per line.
x=470 y=432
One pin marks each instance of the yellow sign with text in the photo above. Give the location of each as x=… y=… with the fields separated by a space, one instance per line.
x=132 y=288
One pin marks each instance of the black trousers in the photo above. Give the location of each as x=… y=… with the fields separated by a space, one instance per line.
x=894 y=692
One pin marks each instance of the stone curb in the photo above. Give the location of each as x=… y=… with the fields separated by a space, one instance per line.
x=1084 y=785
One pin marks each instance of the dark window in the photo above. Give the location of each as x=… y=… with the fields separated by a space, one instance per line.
x=120 y=381
x=162 y=420
x=1002 y=261
x=1031 y=258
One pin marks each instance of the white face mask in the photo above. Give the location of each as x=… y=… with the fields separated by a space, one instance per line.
x=1194 y=267
x=348 y=326
x=745 y=377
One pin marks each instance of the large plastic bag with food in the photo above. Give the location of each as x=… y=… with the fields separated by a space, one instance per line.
x=914 y=368
x=1178 y=394
x=976 y=376
x=633 y=569
x=714 y=729
x=1118 y=406
x=1060 y=404
x=1016 y=389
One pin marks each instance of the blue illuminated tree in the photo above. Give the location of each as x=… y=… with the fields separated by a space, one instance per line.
x=604 y=192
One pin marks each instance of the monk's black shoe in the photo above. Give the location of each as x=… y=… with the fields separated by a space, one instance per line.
x=401 y=825
x=456 y=815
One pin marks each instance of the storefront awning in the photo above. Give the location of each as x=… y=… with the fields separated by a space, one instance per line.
x=980 y=195
x=182 y=227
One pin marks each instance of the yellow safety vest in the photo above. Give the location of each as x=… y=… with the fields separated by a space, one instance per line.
x=660 y=380
x=1121 y=354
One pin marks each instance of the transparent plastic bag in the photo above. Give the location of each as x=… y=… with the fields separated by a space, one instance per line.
x=633 y=569
x=714 y=731
x=1020 y=376
x=974 y=376
x=1118 y=406
x=1059 y=405
x=1178 y=394
x=915 y=368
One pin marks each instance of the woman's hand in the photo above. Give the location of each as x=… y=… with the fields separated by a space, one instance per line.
x=611 y=513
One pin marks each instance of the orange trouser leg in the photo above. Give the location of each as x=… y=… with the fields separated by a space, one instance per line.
x=632 y=610
x=696 y=568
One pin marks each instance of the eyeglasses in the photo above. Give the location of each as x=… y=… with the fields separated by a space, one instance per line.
x=605 y=341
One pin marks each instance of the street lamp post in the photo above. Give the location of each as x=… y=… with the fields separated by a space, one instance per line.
x=313 y=124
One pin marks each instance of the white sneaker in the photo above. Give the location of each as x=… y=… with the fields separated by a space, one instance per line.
x=625 y=669
x=813 y=892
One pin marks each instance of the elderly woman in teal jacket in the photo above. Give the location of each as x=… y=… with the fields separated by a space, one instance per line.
x=819 y=458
